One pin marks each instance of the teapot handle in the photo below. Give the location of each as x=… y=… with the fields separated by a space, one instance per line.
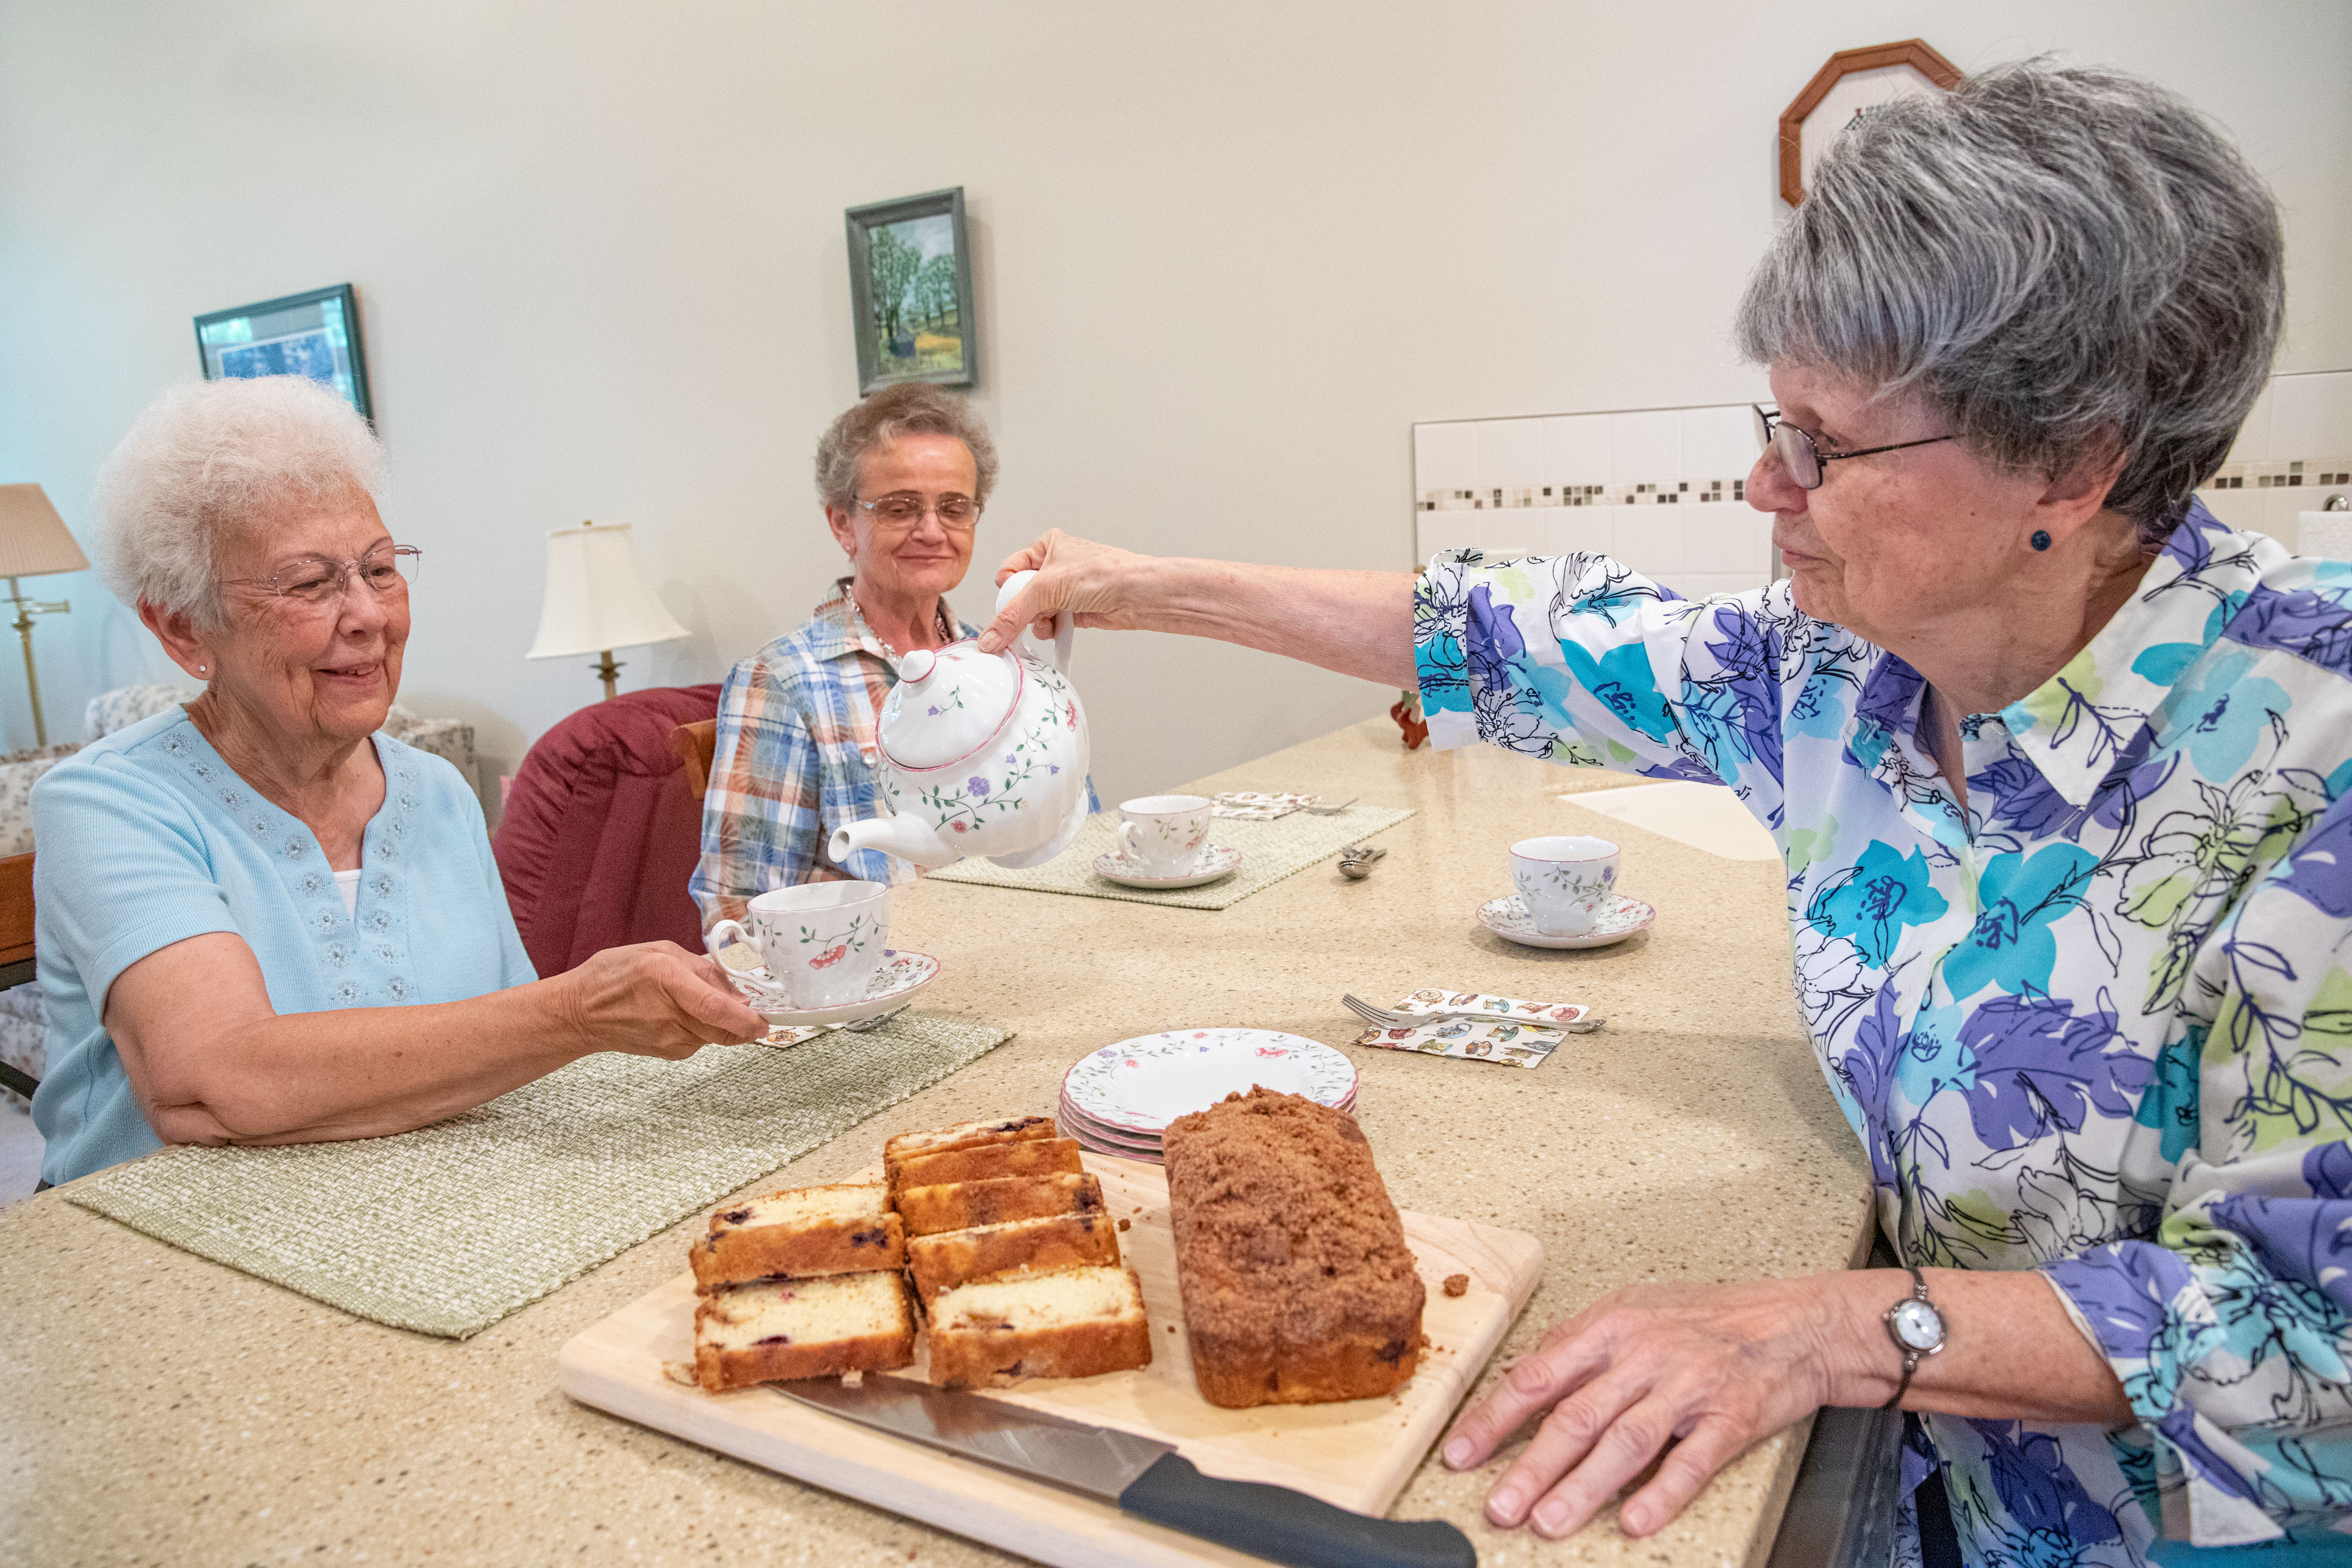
x=1066 y=624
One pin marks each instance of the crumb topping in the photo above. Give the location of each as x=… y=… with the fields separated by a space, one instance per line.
x=1284 y=1227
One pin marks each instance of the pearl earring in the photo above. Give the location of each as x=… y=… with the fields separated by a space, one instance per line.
x=2041 y=539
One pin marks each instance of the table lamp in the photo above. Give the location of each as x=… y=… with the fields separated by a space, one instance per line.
x=33 y=542
x=597 y=600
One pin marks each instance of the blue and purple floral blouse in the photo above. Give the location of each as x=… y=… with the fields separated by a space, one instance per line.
x=2099 y=1025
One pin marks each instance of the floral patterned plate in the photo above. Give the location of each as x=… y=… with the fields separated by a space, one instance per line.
x=1620 y=918
x=1077 y=1124
x=1215 y=861
x=1141 y=1084
x=901 y=975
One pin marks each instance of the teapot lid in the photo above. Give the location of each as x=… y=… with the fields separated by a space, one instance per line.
x=949 y=704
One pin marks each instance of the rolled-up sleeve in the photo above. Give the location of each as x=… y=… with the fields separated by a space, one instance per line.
x=1581 y=659
x=2231 y=1331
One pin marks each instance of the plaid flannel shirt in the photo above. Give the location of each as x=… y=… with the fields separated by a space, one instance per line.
x=795 y=758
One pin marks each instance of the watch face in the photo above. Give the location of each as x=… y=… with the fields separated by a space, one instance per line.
x=1917 y=1326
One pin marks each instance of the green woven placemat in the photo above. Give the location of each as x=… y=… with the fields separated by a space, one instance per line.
x=1270 y=851
x=449 y=1228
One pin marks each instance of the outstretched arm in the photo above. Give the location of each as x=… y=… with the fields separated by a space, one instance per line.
x=1357 y=623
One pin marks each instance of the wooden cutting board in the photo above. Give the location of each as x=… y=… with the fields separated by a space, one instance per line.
x=1358 y=1454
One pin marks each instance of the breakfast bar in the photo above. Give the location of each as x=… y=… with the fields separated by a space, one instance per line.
x=163 y=1407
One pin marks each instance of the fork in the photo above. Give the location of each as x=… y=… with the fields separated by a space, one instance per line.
x=1391 y=1018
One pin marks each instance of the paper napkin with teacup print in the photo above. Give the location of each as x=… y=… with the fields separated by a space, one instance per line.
x=1252 y=805
x=1519 y=1034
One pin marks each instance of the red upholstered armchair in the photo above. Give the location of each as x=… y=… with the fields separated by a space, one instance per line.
x=602 y=830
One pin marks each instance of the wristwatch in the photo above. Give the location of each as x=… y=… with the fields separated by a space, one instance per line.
x=1917 y=1329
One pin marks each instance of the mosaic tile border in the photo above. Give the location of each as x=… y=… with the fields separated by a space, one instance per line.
x=2281 y=475
x=1504 y=498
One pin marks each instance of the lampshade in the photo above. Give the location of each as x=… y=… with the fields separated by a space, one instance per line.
x=597 y=599
x=33 y=537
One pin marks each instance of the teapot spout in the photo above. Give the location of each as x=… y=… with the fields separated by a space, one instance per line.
x=902 y=835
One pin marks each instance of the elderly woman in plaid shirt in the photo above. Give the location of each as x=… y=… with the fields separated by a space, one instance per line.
x=903 y=477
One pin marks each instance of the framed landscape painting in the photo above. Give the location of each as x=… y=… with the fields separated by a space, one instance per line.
x=910 y=291
x=315 y=335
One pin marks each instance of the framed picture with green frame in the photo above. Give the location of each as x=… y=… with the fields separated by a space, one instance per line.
x=910 y=292
x=315 y=335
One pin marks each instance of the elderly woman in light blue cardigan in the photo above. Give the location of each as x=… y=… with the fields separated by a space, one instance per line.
x=260 y=919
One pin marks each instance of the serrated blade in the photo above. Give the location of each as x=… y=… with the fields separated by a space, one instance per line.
x=1098 y=1461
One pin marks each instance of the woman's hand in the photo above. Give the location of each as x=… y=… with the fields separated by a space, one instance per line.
x=1707 y=1369
x=657 y=999
x=1094 y=582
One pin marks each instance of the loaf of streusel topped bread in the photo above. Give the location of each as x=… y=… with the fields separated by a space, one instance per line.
x=1067 y=1323
x=846 y=1228
x=988 y=1161
x=1298 y=1284
x=955 y=1257
x=959 y=1206
x=803 y=1327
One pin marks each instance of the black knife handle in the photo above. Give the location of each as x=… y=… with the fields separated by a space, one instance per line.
x=1287 y=1526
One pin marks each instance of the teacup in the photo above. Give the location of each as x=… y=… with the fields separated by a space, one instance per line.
x=1565 y=881
x=1164 y=834
x=822 y=941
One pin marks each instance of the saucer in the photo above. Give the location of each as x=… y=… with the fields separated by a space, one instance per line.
x=1619 y=917
x=901 y=975
x=1140 y=1086
x=1215 y=861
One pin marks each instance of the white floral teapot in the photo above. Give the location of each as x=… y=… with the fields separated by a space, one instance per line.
x=981 y=753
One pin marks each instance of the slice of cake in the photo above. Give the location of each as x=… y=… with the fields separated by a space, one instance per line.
x=800 y=1234
x=966 y=1135
x=987 y=1161
x=803 y=1327
x=959 y=1205
x=956 y=1257
x=1298 y=1284
x=1069 y=1322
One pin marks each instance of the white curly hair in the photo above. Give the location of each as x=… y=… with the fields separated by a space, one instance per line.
x=211 y=457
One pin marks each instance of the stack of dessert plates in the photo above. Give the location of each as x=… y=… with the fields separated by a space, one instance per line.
x=1119 y=1099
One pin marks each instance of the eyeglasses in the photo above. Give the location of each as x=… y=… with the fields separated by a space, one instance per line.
x=317 y=581
x=906 y=510
x=1802 y=458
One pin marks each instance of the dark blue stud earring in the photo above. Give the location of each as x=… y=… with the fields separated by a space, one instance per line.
x=2041 y=539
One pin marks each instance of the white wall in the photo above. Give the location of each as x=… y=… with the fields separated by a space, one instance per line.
x=1227 y=255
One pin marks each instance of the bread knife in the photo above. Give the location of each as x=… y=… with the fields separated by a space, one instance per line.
x=1141 y=1475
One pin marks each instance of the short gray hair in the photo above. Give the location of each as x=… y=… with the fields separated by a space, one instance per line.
x=208 y=456
x=911 y=408
x=2060 y=260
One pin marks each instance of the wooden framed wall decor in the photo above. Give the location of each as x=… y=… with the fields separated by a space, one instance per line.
x=910 y=292
x=315 y=335
x=1853 y=82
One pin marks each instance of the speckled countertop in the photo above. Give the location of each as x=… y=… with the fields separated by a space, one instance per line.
x=160 y=1408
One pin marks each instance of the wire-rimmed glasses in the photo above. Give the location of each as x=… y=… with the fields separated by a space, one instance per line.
x=317 y=581
x=1802 y=458
x=904 y=508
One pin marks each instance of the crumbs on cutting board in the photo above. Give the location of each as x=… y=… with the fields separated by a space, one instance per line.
x=1125 y=1225
x=1457 y=1284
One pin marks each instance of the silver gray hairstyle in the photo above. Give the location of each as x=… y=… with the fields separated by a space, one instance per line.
x=211 y=457
x=911 y=408
x=2062 y=261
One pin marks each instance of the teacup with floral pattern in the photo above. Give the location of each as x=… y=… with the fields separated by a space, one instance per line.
x=822 y=941
x=1564 y=880
x=1164 y=834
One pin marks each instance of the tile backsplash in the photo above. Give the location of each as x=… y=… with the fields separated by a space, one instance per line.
x=1664 y=489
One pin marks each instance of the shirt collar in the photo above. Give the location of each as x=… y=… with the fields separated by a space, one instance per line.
x=2094 y=714
x=841 y=628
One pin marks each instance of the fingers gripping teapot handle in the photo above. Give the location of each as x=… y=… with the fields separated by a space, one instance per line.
x=1066 y=624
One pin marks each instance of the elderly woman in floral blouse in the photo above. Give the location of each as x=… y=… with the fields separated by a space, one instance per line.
x=2062 y=770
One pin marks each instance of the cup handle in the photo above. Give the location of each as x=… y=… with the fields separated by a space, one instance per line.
x=1127 y=841
x=726 y=934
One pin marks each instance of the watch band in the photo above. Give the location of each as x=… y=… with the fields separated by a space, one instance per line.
x=1910 y=1356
